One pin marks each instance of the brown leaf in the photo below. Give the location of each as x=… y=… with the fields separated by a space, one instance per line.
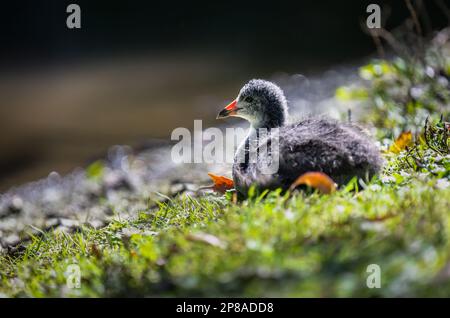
x=95 y=251
x=401 y=142
x=316 y=180
x=221 y=183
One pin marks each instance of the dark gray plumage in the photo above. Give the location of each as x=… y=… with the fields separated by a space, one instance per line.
x=341 y=150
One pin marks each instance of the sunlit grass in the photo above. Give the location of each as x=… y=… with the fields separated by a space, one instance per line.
x=317 y=245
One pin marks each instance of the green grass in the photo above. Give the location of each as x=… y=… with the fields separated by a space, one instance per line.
x=300 y=245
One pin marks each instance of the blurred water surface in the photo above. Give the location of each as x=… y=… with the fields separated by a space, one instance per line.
x=67 y=116
x=58 y=119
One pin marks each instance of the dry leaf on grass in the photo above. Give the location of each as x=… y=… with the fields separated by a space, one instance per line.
x=404 y=140
x=316 y=180
x=221 y=183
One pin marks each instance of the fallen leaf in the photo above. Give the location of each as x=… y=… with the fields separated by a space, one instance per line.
x=401 y=142
x=316 y=180
x=206 y=238
x=221 y=183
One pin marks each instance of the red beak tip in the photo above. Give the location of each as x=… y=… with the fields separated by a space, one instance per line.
x=231 y=105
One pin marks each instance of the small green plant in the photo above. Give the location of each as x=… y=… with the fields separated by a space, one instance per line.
x=399 y=94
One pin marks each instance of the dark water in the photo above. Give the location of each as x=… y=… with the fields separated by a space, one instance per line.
x=64 y=117
x=60 y=118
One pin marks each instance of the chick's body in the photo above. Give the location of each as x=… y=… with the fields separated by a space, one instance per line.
x=342 y=151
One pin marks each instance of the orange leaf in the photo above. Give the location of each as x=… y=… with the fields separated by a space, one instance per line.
x=401 y=142
x=221 y=183
x=316 y=180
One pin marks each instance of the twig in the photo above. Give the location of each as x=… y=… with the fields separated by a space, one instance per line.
x=413 y=13
x=446 y=129
x=426 y=137
x=378 y=44
x=408 y=154
x=422 y=8
x=421 y=48
x=392 y=41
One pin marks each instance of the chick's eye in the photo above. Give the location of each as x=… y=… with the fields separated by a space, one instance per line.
x=248 y=99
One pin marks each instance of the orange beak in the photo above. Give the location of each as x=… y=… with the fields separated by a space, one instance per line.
x=229 y=110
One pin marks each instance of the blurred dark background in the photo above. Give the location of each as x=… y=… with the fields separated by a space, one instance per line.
x=138 y=69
